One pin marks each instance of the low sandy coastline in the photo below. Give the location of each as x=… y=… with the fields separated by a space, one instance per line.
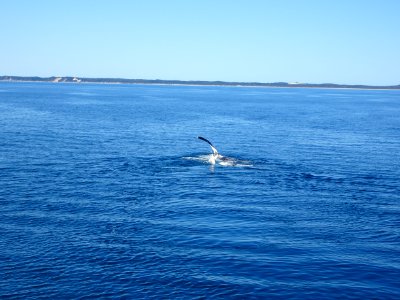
x=79 y=80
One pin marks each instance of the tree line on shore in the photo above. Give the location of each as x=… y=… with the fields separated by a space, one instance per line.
x=70 y=79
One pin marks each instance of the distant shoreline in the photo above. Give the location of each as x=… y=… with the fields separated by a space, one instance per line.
x=78 y=80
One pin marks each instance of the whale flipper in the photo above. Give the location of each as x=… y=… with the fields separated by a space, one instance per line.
x=216 y=158
x=214 y=150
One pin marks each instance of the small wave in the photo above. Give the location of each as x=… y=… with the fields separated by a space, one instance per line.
x=199 y=158
x=225 y=162
x=322 y=176
x=82 y=94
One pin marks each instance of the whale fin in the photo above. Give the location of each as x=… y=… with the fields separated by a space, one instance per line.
x=214 y=150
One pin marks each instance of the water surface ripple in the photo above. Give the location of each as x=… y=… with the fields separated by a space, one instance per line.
x=105 y=192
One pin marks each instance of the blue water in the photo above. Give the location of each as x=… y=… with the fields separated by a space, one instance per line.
x=105 y=192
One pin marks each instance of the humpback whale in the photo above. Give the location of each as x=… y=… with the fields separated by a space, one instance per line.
x=215 y=154
x=216 y=157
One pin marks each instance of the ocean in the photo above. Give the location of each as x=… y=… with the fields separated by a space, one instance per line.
x=106 y=192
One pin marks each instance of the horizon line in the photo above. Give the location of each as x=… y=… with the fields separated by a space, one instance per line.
x=119 y=80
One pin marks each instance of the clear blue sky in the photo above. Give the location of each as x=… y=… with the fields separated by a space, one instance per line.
x=315 y=41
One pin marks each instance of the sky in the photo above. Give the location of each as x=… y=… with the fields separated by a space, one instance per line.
x=309 y=41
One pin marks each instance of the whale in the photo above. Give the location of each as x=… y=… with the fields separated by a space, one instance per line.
x=218 y=158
